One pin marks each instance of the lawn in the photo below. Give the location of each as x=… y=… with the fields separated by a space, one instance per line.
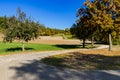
x=6 y=48
x=86 y=60
x=10 y=48
x=16 y=47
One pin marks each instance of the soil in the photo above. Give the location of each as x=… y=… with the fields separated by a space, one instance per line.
x=48 y=41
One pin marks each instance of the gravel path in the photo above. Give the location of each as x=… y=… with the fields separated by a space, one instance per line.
x=27 y=67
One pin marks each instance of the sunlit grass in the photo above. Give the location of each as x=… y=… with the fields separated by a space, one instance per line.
x=14 y=47
x=9 y=48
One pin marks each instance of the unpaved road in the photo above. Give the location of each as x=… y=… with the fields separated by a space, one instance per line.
x=27 y=67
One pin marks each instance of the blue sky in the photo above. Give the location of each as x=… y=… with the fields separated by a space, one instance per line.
x=58 y=14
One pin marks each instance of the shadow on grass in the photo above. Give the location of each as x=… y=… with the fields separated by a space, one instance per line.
x=81 y=61
x=87 y=46
x=69 y=46
x=57 y=61
x=17 y=49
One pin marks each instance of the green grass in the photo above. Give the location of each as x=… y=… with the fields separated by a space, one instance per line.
x=71 y=37
x=6 y=48
x=66 y=36
x=16 y=47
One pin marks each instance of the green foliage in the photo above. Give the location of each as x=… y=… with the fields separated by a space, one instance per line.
x=70 y=37
x=67 y=31
x=20 y=28
x=45 y=31
x=98 y=19
x=20 y=31
x=116 y=41
x=3 y=23
x=82 y=29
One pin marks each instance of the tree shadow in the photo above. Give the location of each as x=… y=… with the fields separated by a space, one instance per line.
x=33 y=70
x=68 y=46
x=17 y=49
x=77 y=60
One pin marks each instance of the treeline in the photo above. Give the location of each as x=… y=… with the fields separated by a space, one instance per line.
x=43 y=30
x=46 y=31
x=98 y=20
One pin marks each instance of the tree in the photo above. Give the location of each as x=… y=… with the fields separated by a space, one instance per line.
x=103 y=12
x=116 y=32
x=83 y=29
x=20 y=28
x=42 y=30
x=2 y=23
x=98 y=16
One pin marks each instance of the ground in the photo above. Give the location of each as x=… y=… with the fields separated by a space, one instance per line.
x=101 y=59
x=28 y=67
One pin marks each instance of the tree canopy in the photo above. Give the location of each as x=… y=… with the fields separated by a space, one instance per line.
x=98 y=16
x=20 y=28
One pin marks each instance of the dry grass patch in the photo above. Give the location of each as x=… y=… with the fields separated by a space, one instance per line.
x=86 y=60
x=104 y=52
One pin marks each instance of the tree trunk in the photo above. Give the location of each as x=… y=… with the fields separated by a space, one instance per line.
x=83 y=42
x=110 y=42
x=23 y=47
x=92 y=41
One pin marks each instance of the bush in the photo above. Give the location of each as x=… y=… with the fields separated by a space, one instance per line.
x=116 y=41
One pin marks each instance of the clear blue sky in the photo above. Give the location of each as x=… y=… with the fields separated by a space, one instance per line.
x=59 y=14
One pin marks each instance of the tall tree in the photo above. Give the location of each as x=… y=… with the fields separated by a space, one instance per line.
x=102 y=12
x=99 y=16
x=83 y=28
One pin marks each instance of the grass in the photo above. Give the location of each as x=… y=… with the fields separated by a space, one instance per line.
x=10 y=48
x=16 y=47
x=86 y=60
x=69 y=36
x=66 y=36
